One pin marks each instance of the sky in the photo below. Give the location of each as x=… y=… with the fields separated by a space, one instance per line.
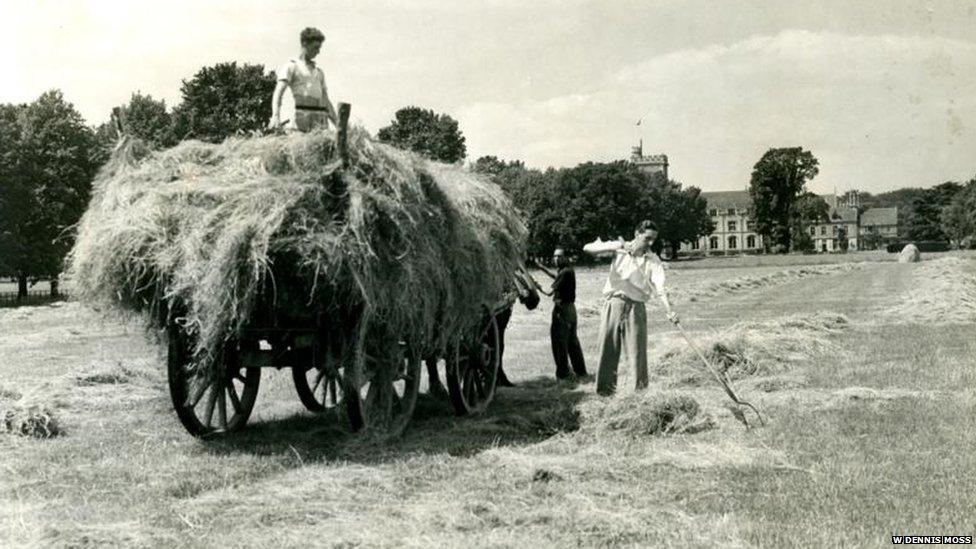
x=883 y=93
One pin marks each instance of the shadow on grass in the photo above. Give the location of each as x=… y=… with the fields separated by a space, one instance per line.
x=531 y=412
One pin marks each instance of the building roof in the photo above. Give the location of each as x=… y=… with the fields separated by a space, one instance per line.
x=728 y=199
x=843 y=215
x=879 y=216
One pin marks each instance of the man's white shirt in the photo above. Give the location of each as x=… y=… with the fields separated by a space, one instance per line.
x=635 y=277
x=307 y=85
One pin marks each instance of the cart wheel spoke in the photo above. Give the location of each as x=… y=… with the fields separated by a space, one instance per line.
x=234 y=399
x=221 y=410
x=318 y=380
x=208 y=409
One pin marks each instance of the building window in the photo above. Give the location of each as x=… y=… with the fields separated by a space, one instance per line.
x=713 y=212
x=749 y=224
x=751 y=241
x=813 y=231
x=694 y=245
x=732 y=225
x=823 y=229
x=713 y=243
x=731 y=211
x=732 y=242
x=835 y=229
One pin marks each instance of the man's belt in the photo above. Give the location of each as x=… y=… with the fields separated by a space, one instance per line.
x=311 y=108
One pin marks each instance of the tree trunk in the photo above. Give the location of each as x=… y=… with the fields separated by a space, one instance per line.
x=21 y=286
x=54 y=287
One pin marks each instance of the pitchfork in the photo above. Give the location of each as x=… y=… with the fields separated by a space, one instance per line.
x=728 y=390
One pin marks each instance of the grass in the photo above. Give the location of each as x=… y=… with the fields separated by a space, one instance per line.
x=868 y=437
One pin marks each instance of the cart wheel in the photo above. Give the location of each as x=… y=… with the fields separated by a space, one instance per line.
x=472 y=371
x=388 y=394
x=197 y=401
x=320 y=388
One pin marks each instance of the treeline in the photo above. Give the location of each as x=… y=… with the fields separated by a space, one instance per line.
x=49 y=156
x=945 y=212
x=571 y=206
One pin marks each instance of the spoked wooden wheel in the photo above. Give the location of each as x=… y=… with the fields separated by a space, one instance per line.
x=320 y=388
x=387 y=393
x=472 y=371
x=210 y=407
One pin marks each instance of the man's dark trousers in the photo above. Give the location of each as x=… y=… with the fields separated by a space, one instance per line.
x=565 y=344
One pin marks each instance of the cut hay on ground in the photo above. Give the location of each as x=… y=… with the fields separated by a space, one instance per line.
x=393 y=248
x=645 y=413
x=27 y=421
x=752 y=348
x=755 y=282
x=944 y=293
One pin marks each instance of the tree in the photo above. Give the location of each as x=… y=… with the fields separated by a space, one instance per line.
x=493 y=166
x=422 y=131
x=808 y=209
x=223 y=100
x=777 y=181
x=48 y=166
x=959 y=217
x=147 y=119
x=681 y=214
x=571 y=206
x=925 y=222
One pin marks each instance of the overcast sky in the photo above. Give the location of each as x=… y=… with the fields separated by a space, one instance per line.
x=883 y=93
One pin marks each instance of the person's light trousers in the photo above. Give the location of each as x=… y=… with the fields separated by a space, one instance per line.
x=623 y=327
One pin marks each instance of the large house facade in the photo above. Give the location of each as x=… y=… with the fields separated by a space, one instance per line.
x=847 y=226
x=731 y=212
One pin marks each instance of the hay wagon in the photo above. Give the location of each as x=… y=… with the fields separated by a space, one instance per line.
x=381 y=396
x=343 y=259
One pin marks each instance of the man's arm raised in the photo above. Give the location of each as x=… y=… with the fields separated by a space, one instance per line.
x=600 y=248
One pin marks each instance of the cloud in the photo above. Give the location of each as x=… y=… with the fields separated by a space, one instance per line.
x=878 y=111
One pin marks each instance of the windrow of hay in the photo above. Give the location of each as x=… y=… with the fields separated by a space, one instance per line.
x=753 y=348
x=213 y=236
x=645 y=413
x=944 y=293
x=754 y=282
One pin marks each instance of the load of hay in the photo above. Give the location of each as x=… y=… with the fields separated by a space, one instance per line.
x=211 y=236
x=909 y=254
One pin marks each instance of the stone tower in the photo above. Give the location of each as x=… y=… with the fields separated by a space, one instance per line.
x=655 y=163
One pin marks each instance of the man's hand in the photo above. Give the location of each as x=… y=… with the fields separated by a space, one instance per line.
x=673 y=317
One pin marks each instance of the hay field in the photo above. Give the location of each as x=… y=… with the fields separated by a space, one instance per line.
x=865 y=372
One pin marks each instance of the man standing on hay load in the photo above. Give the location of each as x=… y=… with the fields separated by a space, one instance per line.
x=634 y=273
x=307 y=84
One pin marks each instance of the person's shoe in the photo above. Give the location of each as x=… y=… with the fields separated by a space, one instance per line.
x=566 y=377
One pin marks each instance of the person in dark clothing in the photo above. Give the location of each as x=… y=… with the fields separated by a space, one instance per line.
x=566 y=349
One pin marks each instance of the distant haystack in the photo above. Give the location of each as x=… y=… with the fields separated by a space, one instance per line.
x=909 y=254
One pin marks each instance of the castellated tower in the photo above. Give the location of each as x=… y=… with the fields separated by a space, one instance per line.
x=655 y=163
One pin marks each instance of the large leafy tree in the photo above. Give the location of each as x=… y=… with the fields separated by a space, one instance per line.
x=777 y=181
x=425 y=132
x=224 y=100
x=48 y=161
x=572 y=206
x=925 y=222
x=959 y=217
x=807 y=210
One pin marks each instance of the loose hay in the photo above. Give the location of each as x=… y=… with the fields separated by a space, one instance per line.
x=944 y=293
x=754 y=282
x=646 y=413
x=753 y=348
x=395 y=247
x=28 y=421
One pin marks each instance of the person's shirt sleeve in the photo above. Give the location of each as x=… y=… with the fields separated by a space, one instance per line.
x=285 y=72
x=657 y=276
x=560 y=280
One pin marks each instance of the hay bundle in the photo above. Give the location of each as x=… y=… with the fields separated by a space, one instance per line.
x=909 y=254
x=754 y=348
x=394 y=247
x=647 y=413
